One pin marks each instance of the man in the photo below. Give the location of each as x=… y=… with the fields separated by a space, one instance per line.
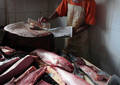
x=80 y=15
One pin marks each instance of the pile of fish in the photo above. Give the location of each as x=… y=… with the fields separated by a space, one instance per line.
x=41 y=67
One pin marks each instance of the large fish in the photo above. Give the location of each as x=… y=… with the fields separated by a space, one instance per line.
x=53 y=59
x=92 y=72
x=63 y=77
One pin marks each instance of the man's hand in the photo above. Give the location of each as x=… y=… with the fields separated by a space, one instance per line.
x=80 y=29
x=43 y=20
x=47 y=19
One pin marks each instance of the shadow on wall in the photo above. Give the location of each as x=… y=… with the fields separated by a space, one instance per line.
x=101 y=15
x=99 y=53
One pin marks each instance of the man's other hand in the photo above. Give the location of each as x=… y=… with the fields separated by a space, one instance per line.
x=43 y=20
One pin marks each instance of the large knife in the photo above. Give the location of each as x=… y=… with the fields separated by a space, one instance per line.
x=61 y=31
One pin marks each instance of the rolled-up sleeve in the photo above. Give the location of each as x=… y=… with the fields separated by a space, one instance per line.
x=90 y=12
x=62 y=8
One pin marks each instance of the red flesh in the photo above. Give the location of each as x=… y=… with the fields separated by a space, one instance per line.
x=16 y=81
x=31 y=78
x=6 y=64
x=19 y=79
x=16 y=69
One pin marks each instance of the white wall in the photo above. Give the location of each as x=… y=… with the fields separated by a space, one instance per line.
x=20 y=10
x=105 y=36
x=2 y=12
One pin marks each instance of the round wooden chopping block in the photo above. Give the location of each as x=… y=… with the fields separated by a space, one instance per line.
x=29 y=43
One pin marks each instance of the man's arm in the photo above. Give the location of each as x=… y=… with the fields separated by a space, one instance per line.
x=47 y=19
x=61 y=10
x=53 y=16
